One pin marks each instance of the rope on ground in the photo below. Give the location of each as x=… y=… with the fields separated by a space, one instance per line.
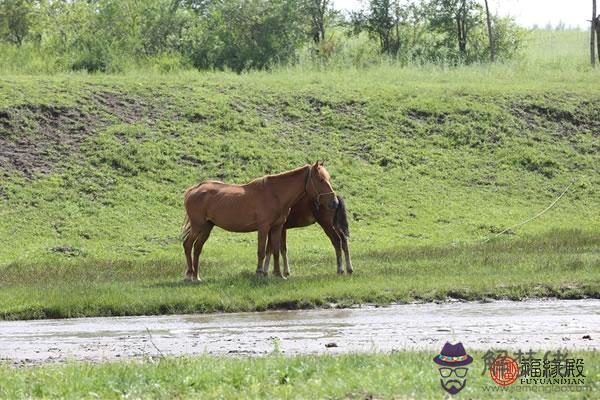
x=162 y=356
x=532 y=218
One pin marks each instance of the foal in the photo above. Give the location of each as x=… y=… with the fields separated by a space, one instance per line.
x=334 y=222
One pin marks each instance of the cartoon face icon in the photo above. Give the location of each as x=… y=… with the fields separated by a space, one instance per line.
x=452 y=361
x=453 y=380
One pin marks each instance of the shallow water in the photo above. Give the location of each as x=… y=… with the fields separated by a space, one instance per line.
x=538 y=325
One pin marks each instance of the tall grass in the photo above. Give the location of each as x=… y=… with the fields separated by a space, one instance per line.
x=568 y=49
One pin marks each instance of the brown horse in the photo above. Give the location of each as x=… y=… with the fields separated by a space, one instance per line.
x=261 y=205
x=334 y=222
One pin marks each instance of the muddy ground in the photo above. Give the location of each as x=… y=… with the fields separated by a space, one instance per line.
x=538 y=325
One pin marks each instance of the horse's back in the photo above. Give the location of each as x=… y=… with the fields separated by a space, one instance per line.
x=231 y=207
x=213 y=187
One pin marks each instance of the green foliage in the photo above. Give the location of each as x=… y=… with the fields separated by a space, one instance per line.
x=15 y=20
x=170 y=35
x=455 y=19
x=382 y=20
x=252 y=34
x=441 y=32
x=319 y=12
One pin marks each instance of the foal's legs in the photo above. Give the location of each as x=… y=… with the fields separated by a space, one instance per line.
x=349 y=268
x=286 y=267
x=275 y=236
x=269 y=253
x=202 y=237
x=336 y=242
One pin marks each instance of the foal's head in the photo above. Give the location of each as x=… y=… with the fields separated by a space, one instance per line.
x=319 y=187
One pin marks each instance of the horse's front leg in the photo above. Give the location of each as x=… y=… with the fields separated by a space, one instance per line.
x=275 y=235
x=267 y=257
x=286 y=266
x=263 y=234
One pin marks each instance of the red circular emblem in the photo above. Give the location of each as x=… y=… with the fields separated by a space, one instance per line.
x=504 y=371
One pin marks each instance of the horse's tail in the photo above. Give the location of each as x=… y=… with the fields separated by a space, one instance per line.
x=186 y=228
x=340 y=220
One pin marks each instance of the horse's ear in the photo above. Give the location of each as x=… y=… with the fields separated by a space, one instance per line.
x=316 y=164
x=323 y=163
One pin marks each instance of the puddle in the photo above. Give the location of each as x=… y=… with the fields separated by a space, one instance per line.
x=538 y=325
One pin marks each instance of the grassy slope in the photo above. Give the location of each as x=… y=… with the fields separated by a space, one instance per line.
x=430 y=162
x=360 y=376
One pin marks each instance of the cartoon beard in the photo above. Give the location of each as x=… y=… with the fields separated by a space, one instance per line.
x=453 y=386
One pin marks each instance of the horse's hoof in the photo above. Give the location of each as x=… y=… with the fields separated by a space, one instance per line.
x=286 y=274
x=350 y=271
x=340 y=271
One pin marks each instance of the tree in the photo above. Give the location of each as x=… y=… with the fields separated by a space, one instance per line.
x=455 y=18
x=252 y=34
x=490 y=33
x=15 y=20
x=382 y=19
x=317 y=10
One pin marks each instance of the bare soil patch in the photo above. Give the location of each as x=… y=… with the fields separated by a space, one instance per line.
x=34 y=137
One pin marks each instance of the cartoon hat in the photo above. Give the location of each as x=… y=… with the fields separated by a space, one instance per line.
x=453 y=355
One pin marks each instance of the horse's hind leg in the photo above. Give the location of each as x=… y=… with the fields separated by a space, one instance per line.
x=202 y=237
x=188 y=243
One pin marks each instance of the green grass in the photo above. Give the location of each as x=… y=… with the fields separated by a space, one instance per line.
x=430 y=160
x=560 y=264
x=398 y=375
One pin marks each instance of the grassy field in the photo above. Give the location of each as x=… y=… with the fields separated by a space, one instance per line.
x=431 y=161
x=358 y=376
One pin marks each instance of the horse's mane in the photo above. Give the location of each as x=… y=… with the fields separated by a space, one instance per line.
x=321 y=171
x=286 y=173
x=340 y=220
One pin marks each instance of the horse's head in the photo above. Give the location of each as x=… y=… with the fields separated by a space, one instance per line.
x=319 y=187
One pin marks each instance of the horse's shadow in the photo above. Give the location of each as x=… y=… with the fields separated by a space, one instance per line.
x=243 y=278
